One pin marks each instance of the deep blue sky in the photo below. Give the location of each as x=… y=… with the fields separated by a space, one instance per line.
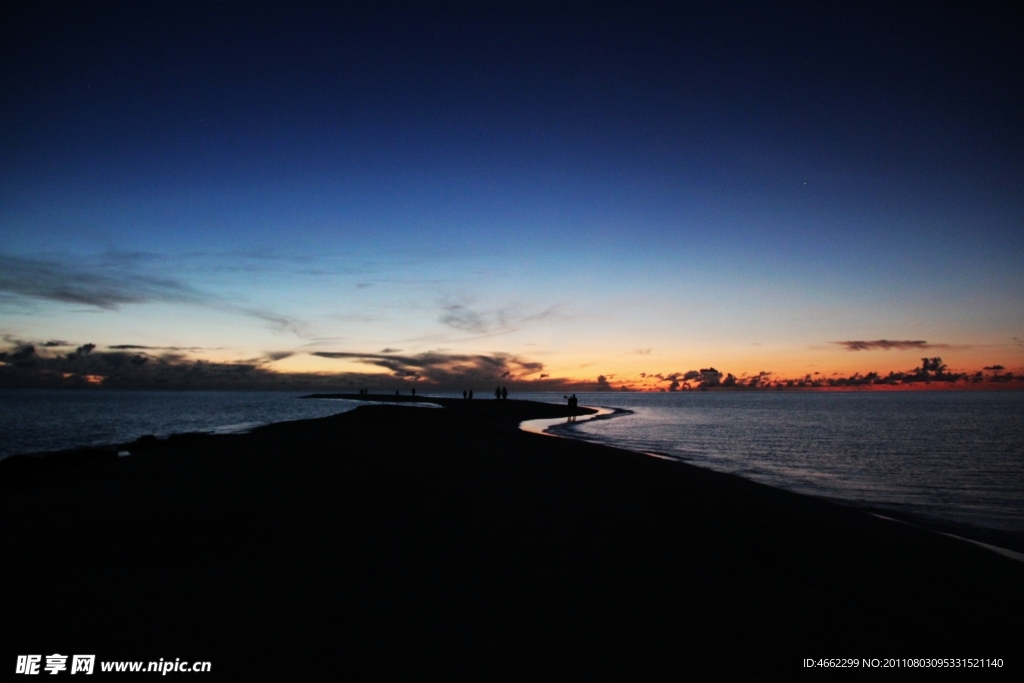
x=600 y=189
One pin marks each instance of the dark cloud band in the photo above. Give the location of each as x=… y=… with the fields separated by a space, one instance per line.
x=446 y=368
x=889 y=344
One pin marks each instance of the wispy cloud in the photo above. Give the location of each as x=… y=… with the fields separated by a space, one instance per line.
x=143 y=347
x=115 y=280
x=464 y=316
x=99 y=287
x=278 y=322
x=889 y=344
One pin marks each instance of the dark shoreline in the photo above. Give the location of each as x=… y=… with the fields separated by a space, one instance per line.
x=389 y=543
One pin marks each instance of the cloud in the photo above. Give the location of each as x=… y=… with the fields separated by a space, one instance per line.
x=20 y=356
x=23 y=366
x=602 y=384
x=462 y=316
x=113 y=281
x=67 y=283
x=887 y=344
x=547 y=314
x=642 y=352
x=142 y=347
x=280 y=323
x=446 y=368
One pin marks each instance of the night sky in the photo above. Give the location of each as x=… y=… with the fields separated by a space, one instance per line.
x=592 y=196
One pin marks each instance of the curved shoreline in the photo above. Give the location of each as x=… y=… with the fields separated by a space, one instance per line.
x=47 y=463
x=546 y=426
x=450 y=543
x=996 y=540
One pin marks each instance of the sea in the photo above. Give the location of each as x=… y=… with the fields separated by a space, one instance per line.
x=39 y=420
x=949 y=459
x=952 y=459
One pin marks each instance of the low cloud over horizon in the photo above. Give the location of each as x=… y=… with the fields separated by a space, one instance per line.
x=26 y=364
x=135 y=366
x=889 y=344
x=448 y=369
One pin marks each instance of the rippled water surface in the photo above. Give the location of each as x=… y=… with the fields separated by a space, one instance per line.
x=954 y=456
x=34 y=420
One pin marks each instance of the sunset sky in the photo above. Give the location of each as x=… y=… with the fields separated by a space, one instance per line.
x=556 y=193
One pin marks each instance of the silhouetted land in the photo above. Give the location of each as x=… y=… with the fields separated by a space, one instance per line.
x=400 y=543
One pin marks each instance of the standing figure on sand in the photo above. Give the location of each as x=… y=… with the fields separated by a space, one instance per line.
x=573 y=402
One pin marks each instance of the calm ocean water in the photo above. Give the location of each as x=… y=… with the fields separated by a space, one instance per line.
x=33 y=420
x=955 y=457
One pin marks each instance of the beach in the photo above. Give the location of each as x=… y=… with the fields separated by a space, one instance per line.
x=396 y=542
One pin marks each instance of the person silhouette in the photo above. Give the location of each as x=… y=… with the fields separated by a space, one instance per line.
x=470 y=394
x=504 y=393
x=497 y=393
x=463 y=394
x=414 y=391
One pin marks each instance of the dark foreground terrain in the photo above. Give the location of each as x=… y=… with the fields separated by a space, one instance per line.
x=401 y=543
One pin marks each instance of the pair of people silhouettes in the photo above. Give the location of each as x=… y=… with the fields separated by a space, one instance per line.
x=501 y=393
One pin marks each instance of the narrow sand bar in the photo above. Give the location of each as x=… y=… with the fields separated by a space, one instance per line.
x=397 y=543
